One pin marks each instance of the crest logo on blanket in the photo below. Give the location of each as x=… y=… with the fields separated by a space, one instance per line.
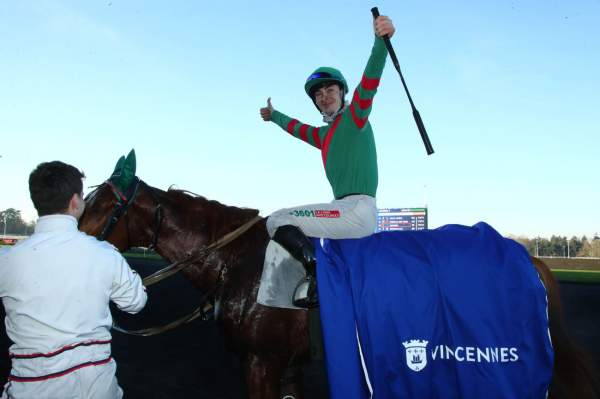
x=416 y=354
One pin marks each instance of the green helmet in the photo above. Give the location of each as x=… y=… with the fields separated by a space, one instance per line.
x=322 y=75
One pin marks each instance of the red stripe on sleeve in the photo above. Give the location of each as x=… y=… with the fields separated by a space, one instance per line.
x=291 y=125
x=316 y=138
x=328 y=138
x=303 y=130
x=362 y=103
x=360 y=123
x=369 y=83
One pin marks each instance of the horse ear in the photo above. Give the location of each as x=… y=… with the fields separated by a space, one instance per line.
x=128 y=171
x=124 y=171
x=130 y=165
x=118 y=167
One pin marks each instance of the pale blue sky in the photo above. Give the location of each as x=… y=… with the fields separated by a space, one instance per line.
x=508 y=91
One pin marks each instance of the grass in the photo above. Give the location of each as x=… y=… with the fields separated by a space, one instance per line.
x=572 y=263
x=577 y=276
x=575 y=270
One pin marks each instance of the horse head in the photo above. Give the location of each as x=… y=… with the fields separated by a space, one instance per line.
x=111 y=207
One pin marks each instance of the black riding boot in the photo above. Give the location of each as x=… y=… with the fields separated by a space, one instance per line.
x=301 y=248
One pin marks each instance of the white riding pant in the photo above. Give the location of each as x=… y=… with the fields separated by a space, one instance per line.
x=93 y=382
x=354 y=216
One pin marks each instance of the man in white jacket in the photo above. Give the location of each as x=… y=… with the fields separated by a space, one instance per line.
x=56 y=287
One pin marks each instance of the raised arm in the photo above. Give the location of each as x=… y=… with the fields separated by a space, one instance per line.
x=362 y=98
x=307 y=133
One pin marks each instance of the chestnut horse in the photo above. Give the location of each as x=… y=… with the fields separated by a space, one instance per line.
x=268 y=340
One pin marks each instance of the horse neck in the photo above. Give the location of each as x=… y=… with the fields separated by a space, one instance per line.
x=190 y=223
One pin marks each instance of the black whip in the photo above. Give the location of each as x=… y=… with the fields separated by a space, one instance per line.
x=416 y=114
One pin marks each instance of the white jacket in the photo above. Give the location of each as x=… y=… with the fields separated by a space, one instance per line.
x=56 y=286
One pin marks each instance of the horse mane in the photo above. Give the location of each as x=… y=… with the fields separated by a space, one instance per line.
x=197 y=212
x=184 y=195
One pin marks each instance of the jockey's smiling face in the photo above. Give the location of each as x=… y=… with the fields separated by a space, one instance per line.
x=329 y=98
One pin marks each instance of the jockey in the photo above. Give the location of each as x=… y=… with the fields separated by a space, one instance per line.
x=55 y=287
x=348 y=151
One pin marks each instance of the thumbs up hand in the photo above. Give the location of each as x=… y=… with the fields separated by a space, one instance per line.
x=266 y=112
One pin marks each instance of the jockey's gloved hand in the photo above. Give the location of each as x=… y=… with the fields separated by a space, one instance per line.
x=267 y=111
x=382 y=26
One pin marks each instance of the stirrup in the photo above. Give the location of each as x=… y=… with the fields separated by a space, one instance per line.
x=305 y=293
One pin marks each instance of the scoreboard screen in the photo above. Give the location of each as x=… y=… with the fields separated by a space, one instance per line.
x=389 y=219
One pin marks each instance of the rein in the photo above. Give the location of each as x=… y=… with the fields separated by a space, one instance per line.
x=180 y=265
x=205 y=306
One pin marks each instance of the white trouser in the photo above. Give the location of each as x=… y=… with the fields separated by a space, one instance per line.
x=354 y=216
x=93 y=382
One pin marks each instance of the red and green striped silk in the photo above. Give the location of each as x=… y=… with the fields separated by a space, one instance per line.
x=347 y=144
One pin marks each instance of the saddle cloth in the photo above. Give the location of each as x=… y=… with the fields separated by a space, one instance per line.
x=281 y=273
x=455 y=312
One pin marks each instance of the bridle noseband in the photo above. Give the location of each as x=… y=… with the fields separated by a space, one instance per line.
x=123 y=202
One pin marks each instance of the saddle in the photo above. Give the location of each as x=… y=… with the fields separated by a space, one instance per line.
x=279 y=286
x=280 y=277
x=293 y=240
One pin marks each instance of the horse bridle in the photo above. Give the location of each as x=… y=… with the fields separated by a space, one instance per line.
x=124 y=200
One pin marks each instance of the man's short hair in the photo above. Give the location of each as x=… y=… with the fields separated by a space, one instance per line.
x=51 y=186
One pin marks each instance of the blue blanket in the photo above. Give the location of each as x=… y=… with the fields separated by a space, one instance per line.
x=456 y=312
